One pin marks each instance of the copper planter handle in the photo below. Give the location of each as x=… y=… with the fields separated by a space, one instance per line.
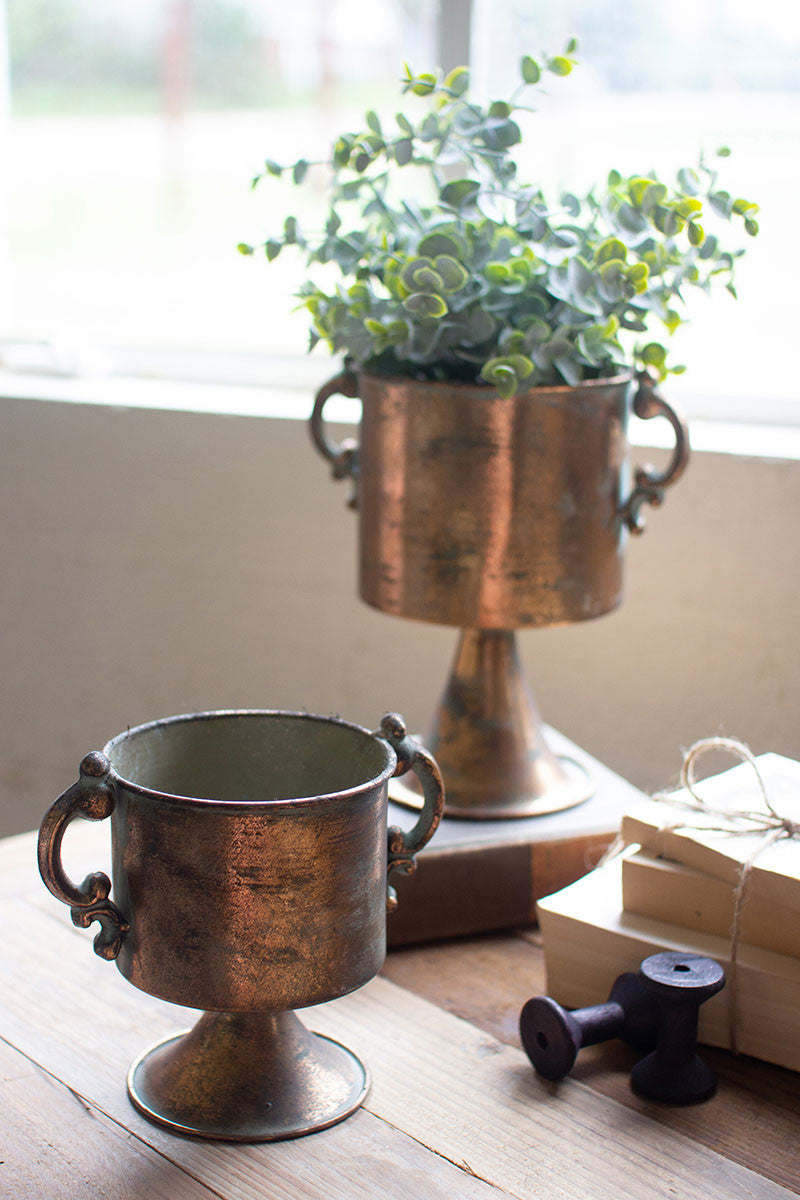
x=344 y=457
x=411 y=756
x=650 y=483
x=91 y=797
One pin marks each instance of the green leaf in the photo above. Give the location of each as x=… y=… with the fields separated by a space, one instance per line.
x=398 y=332
x=273 y=249
x=751 y=227
x=637 y=187
x=512 y=341
x=696 y=233
x=610 y=248
x=373 y=122
x=429 y=129
x=654 y=194
x=452 y=273
x=341 y=151
x=459 y=194
x=376 y=328
x=423 y=84
x=425 y=304
x=653 y=354
x=530 y=70
x=723 y=152
x=688 y=206
x=709 y=247
x=502 y=376
x=425 y=279
x=506 y=372
x=458 y=80
x=404 y=123
x=442 y=243
x=638 y=275
x=559 y=65
x=570 y=370
x=300 y=170
x=290 y=230
x=244 y=248
x=721 y=203
x=629 y=218
x=667 y=221
x=689 y=180
x=523 y=367
x=572 y=46
x=419 y=275
x=742 y=207
x=403 y=151
x=273 y=168
x=501 y=134
x=497 y=272
x=480 y=326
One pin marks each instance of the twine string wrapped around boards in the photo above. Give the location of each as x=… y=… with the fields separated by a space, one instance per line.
x=765 y=823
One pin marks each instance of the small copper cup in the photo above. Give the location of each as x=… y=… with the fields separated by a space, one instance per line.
x=250 y=853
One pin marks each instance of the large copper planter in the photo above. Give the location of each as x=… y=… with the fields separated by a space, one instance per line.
x=492 y=515
x=250 y=853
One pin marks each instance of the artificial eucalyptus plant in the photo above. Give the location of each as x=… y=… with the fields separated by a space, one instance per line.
x=469 y=273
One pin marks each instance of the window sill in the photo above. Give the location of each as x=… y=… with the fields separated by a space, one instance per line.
x=746 y=439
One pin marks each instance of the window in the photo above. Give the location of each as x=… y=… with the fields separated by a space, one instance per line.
x=133 y=130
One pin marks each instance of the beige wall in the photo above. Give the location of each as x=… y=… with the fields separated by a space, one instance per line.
x=161 y=562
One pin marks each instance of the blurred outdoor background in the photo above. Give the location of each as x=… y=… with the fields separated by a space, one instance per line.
x=130 y=133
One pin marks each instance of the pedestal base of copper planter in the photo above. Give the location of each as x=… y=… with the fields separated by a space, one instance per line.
x=488 y=740
x=247 y=1077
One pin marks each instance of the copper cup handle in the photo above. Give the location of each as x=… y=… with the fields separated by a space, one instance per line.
x=650 y=483
x=411 y=756
x=344 y=457
x=91 y=797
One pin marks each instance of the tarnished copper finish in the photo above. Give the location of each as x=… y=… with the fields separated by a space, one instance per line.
x=233 y=1070
x=250 y=854
x=488 y=740
x=494 y=515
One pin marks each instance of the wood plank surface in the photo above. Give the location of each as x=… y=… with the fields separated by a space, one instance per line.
x=56 y=1146
x=438 y=1082
x=754 y=1119
x=455 y=1109
x=74 y=1014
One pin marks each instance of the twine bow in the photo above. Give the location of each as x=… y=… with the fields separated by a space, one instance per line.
x=771 y=825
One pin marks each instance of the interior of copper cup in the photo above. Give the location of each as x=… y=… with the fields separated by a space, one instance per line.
x=246 y=757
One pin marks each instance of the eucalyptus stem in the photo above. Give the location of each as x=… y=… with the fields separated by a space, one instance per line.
x=491 y=280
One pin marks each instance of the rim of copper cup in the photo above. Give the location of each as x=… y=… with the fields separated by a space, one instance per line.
x=287 y=802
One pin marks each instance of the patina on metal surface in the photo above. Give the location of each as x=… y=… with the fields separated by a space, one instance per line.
x=495 y=514
x=492 y=513
x=488 y=739
x=250 y=854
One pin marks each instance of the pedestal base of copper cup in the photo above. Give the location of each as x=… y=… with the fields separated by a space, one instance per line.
x=488 y=740
x=247 y=1077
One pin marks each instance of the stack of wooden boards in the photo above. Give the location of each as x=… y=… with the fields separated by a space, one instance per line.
x=673 y=888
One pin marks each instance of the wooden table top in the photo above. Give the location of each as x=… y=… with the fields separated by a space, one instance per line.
x=455 y=1111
